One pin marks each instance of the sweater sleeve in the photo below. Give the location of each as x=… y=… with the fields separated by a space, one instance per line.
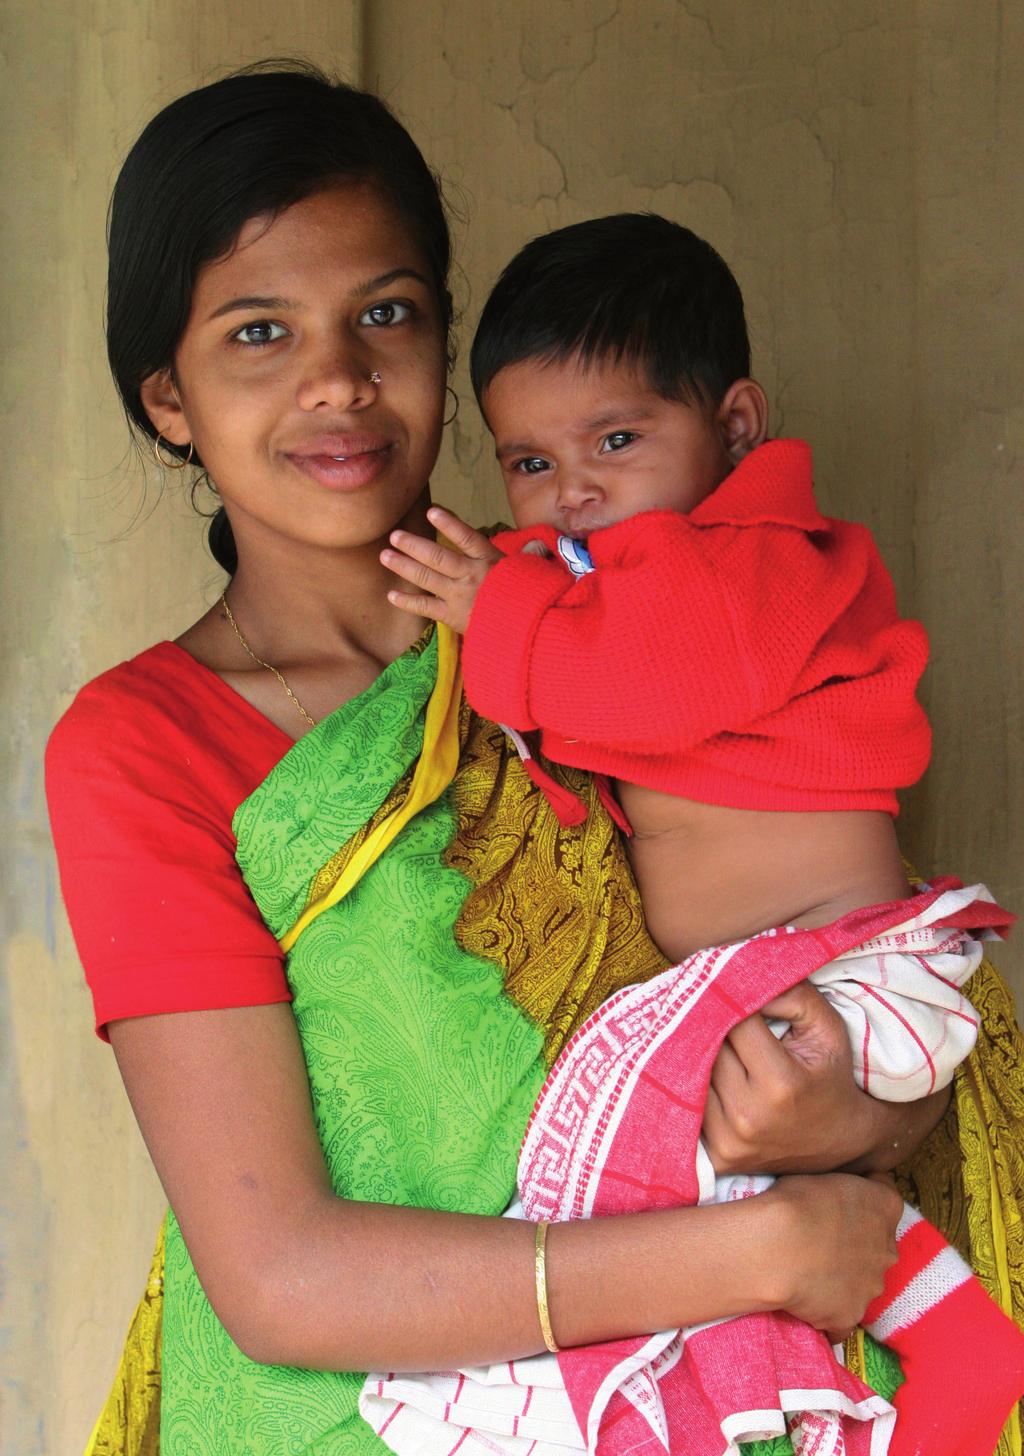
x=681 y=632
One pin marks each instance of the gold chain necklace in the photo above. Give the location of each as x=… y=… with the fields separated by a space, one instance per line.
x=269 y=666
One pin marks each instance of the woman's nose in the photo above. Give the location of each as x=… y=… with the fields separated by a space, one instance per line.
x=337 y=377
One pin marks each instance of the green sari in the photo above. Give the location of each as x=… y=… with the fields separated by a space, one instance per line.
x=445 y=937
x=427 y=1012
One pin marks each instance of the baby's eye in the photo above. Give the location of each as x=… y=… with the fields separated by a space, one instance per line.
x=379 y=315
x=618 y=440
x=531 y=465
x=260 y=331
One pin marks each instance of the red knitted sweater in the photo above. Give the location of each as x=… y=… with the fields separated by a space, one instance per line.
x=748 y=653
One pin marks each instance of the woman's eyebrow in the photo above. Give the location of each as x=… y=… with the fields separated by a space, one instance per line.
x=383 y=279
x=258 y=301
x=236 y=305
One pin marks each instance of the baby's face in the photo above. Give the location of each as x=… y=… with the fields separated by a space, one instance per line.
x=583 y=448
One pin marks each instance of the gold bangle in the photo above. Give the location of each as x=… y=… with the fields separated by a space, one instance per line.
x=541 y=1279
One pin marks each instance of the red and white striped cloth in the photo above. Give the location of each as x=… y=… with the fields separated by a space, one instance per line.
x=616 y=1129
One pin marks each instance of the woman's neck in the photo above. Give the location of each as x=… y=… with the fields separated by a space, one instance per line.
x=307 y=602
x=324 y=605
x=320 y=617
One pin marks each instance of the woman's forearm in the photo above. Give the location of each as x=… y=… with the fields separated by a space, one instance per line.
x=371 y=1286
x=299 y=1276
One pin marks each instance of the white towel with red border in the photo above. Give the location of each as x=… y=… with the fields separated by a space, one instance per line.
x=616 y=1129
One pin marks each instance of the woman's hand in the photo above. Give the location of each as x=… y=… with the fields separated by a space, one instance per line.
x=836 y=1239
x=792 y=1105
x=449 y=580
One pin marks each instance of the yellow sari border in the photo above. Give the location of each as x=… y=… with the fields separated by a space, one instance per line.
x=435 y=769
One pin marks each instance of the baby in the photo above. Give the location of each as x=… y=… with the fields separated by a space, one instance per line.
x=674 y=612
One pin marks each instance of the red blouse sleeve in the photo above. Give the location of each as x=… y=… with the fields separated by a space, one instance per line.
x=141 y=805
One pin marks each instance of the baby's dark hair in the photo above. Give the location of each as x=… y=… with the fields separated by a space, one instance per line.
x=253 y=143
x=632 y=288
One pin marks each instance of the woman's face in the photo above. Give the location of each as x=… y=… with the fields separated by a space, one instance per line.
x=272 y=376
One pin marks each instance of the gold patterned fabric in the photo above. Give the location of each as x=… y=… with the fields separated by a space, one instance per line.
x=129 y=1424
x=518 y=860
x=968 y=1178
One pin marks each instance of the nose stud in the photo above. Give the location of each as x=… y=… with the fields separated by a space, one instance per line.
x=375 y=378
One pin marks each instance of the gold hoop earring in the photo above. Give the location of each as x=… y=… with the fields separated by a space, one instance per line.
x=178 y=462
x=448 y=390
x=199 y=482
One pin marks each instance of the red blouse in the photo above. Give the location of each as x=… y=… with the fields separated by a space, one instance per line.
x=143 y=776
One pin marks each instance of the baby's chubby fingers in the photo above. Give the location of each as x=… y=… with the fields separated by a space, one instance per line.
x=452 y=577
x=420 y=560
x=417 y=575
x=470 y=542
x=420 y=606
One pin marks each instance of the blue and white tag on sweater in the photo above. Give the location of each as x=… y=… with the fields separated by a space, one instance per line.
x=575 y=555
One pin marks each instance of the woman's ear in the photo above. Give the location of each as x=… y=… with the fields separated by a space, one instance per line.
x=743 y=418
x=161 y=402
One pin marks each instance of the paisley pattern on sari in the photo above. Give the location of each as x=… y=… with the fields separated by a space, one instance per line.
x=430 y=1000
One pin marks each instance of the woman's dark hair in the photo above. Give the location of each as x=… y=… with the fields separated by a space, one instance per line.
x=251 y=144
x=631 y=287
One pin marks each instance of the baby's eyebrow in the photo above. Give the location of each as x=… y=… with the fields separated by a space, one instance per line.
x=622 y=414
x=516 y=448
x=617 y=415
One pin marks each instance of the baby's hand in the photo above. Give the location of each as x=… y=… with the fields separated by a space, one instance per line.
x=450 y=579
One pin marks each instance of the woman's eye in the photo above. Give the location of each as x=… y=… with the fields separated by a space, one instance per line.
x=532 y=465
x=382 y=314
x=260 y=331
x=618 y=441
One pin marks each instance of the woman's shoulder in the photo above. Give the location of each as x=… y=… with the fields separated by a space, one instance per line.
x=163 y=680
x=113 y=713
x=143 y=775
x=162 y=717
x=139 y=689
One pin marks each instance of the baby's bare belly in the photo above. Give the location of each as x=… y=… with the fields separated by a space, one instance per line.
x=709 y=875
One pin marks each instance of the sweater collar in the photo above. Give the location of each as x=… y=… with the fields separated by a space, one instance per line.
x=772 y=486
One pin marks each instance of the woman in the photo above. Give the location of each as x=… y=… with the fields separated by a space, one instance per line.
x=298 y=775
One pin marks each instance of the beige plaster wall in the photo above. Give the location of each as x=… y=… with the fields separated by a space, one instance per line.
x=855 y=162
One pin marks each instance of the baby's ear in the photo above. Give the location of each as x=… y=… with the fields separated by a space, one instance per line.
x=743 y=418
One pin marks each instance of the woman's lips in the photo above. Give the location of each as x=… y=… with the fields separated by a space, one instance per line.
x=343 y=462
